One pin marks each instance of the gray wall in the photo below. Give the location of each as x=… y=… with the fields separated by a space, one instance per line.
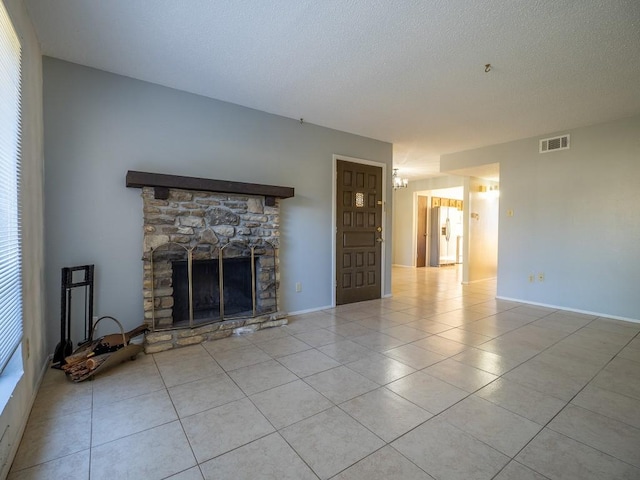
x=99 y=125
x=576 y=218
x=34 y=349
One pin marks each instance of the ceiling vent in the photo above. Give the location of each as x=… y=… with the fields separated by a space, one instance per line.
x=554 y=143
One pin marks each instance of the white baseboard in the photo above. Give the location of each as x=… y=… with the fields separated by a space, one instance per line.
x=559 y=307
x=309 y=310
x=478 y=281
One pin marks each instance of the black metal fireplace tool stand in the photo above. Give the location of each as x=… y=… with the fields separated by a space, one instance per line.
x=65 y=347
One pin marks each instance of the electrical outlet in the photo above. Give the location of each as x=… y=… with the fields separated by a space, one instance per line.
x=541 y=277
x=298 y=287
x=532 y=278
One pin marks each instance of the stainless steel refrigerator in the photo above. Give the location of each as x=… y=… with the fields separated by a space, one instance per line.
x=446 y=227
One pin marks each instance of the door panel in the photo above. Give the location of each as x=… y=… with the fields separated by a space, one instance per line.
x=359 y=232
x=359 y=239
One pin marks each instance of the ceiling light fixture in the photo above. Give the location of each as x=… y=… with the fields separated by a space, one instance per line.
x=398 y=182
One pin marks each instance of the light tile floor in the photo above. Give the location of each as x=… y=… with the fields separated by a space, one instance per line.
x=440 y=381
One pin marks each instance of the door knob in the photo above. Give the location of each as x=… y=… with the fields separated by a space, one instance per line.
x=379 y=240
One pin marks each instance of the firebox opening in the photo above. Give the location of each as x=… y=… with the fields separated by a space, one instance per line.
x=237 y=301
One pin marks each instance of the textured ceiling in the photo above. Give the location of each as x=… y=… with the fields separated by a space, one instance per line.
x=409 y=72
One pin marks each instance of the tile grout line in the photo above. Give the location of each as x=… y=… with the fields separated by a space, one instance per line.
x=371 y=315
x=480 y=388
x=569 y=402
x=177 y=416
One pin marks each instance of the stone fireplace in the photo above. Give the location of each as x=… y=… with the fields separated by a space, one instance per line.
x=210 y=262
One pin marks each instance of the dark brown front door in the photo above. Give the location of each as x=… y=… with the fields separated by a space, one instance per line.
x=421 y=241
x=359 y=232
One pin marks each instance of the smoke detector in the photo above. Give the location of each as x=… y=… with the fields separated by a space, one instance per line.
x=554 y=143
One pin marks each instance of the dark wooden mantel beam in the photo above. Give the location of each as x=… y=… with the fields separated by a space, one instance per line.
x=162 y=183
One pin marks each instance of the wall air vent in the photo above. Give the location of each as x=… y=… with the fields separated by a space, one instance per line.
x=554 y=143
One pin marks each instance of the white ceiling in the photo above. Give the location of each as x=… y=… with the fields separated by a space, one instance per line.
x=409 y=72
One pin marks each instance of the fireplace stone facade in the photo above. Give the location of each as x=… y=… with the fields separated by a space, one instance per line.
x=208 y=225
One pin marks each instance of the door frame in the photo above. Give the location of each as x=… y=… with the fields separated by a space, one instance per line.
x=436 y=192
x=426 y=228
x=334 y=221
x=414 y=224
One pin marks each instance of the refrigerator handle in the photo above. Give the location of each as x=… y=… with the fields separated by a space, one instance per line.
x=448 y=229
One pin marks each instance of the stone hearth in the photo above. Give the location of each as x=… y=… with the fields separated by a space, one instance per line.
x=204 y=226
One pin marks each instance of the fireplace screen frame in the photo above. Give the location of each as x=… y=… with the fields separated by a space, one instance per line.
x=254 y=250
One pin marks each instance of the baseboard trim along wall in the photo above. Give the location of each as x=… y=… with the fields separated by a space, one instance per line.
x=559 y=307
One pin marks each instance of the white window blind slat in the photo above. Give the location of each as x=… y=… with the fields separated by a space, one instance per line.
x=10 y=231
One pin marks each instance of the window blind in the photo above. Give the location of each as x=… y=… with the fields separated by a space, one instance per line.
x=10 y=244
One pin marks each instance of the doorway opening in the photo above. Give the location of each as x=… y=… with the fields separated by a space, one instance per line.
x=439 y=228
